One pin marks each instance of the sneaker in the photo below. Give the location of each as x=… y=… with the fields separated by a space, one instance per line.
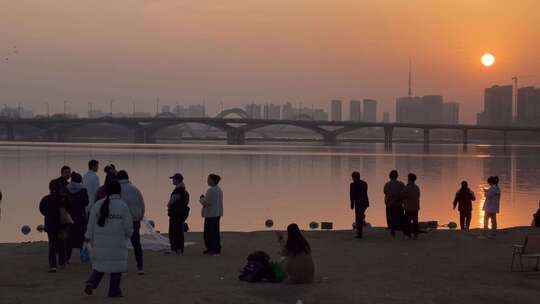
x=140 y=271
x=88 y=290
x=169 y=252
x=52 y=270
x=116 y=295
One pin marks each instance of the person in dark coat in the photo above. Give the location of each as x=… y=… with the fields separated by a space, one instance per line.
x=536 y=218
x=63 y=180
x=359 y=201
x=49 y=207
x=79 y=202
x=178 y=212
x=463 y=201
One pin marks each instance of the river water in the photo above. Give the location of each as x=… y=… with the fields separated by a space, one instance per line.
x=292 y=183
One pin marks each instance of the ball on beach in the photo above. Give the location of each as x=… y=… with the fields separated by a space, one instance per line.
x=452 y=225
x=269 y=223
x=152 y=223
x=25 y=229
x=313 y=225
x=40 y=228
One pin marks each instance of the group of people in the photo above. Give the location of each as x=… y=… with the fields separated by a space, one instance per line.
x=402 y=203
x=79 y=212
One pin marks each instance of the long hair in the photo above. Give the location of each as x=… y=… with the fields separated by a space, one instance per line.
x=296 y=243
x=113 y=187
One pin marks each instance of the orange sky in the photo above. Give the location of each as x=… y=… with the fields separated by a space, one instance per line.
x=306 y=51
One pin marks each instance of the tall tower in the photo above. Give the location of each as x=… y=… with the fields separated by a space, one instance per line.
x=410 y=80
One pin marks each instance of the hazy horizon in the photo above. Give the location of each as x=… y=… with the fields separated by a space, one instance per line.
x=240 y=52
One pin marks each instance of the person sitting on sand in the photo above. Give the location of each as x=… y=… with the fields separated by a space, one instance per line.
x=109 y=227
x=212 y=211
x=392 y=200
x=298 y=263
x=463 y=201
x=536 y=218
x=491 y=206
x=359 y=201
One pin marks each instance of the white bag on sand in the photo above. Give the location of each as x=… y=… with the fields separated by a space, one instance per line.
x=153 y=241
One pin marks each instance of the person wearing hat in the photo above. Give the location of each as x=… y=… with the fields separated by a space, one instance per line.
x=178 y=212
x=78 y=200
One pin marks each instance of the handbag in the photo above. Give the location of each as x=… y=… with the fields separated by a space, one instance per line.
x=65 y=217
x=85 y=254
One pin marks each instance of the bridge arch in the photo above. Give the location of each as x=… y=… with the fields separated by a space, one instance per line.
x=240 y=112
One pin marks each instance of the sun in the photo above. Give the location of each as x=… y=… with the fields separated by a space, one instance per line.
x=487 y=59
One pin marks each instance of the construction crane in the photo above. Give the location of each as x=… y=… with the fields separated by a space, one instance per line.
x=515 y=79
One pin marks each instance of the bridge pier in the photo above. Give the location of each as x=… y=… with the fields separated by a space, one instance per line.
x=10 y=132
x=144 y=136
x=426 y=137
x=505 y=138
x=465 y=139
x=388 y=140
x=330 y=139
x=236 y=137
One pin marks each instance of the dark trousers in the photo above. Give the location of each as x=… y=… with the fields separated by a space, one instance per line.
x=359 y=213
x=465 y=220
x=114 y=282
x=394 y=218
x=136 y=243
x=57 y=249
x=176 y=234
x=411 y=223
x=212 y=238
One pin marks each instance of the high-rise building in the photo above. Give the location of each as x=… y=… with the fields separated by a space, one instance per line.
x=320 y=114
x=166 y=109
x=432 y=109
x=497 y=106
x=355 y=110
x=272 y=111
x=253 y=110
x=370 y=110
x=451 y=113
x=528 y=105
x=386 y=117
x=288 y=112
x=336 y=110
x=409 y=110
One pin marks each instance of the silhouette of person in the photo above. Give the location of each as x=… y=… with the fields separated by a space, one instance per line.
x=392 y=200
x=463 y=201
x=411 y=205
x=359 y=201
x=491 y=206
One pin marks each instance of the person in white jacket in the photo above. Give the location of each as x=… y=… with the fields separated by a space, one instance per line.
x=212 y=211
x=91 y=182
x=109 y=227
x=135 y=202
x=491 y=205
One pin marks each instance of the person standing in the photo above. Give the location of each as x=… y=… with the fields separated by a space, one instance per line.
x=491 y=206
x=392 y=200
x=212 y=211
x=63 y=180
x=411 y=205
x=536 y=217
x=109 y=227
x=101 y=193
x=178 y=212
x=135 y=202
x=50 y=207
x=359 y=201
x=91 y=180
x=463 y=201
x=78 y=199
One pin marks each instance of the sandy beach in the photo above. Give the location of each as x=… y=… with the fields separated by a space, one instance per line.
x=440 y=267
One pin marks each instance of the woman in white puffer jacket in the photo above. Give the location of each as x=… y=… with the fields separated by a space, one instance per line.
x=491 y=205
x=109 y=227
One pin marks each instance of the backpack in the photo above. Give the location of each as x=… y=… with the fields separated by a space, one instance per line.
x=257 y=269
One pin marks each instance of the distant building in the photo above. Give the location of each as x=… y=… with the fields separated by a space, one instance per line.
x=96 y=114
x=451 y=113
x=288 y=112
x=432 y=109
x=370 y=110
x=336 y=110
x=196 y=111
x=272 y=111
x=386 y=117
x=528 y=106
x=497 y=106
x=141 y=114
x=409 y=110
x=166 y=109
x=253 y=110
x=16 y=112
x=320 y=114
x=355 y=110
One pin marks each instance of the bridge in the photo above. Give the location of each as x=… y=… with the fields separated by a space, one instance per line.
x=145 y=129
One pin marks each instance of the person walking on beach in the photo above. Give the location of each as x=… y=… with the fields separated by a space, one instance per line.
x=178 y=212
x=392 y=200
x=463 y=201
x=212 y=211
x=51 y=208
x=298 y=263
x=411 y=205
x=359 y=201
x=78 y=199
x=491 y=206
x=91 y=180
x=109 y=227
x=135 y=202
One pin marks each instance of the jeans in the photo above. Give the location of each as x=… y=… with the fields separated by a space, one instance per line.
x=359 y=214
x=136 y=243
x=465 y=220
x=212 y=238
x=394 y=218
x=493 y=218
x=114 y=282
x=176 y=234
x=57 y=248
x=411 y=223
